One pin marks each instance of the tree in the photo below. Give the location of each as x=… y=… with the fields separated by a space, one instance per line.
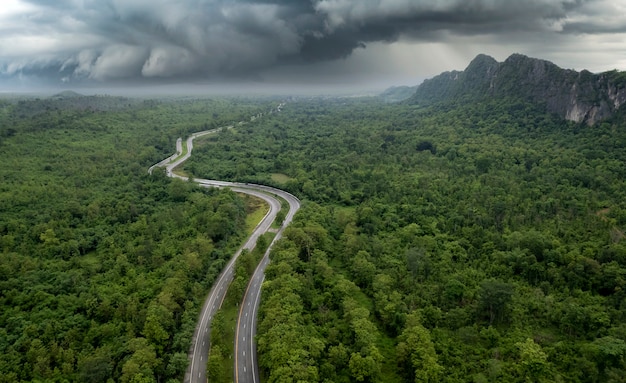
x=416 y=352
x=158 y=319
x=533 y=365
x=215 y=364
x=96 y=367
x=141 y=364
x=495 y=297
x=363 y=368
x=362 y=269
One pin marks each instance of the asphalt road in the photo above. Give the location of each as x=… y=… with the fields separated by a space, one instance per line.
x=196 y=371
x=246 y=367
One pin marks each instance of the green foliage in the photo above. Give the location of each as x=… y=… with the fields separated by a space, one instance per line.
x=499 y=256
x=512 y=229
x=416 y=353
x=103 y=267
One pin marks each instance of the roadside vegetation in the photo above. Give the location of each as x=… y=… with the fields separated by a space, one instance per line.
x=480 y=242
x=103 y=268
x=220 y=362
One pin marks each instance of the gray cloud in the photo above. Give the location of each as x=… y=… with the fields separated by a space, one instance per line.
x=153 y=40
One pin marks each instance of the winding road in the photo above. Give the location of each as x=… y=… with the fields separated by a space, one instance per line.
x=246 y=367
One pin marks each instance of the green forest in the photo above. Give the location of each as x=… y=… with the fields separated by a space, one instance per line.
x=479 y=242
x=103 y=267
x=475 y=242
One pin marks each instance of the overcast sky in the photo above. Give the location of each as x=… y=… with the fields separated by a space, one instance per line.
x=320 y=43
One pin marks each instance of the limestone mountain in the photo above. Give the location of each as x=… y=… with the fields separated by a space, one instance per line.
x=582 y=97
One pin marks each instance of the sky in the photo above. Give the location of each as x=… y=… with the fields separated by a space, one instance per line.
x=293 y=44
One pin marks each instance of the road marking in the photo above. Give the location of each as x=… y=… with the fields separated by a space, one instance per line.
x=244 y=338
x=244 y=353
x=244 y=368
x=198 y=375
x=201 y=357
x=244 y=325
x=293 y=204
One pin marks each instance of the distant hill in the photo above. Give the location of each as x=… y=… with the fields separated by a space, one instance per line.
x=582 y=97
x=70 y=100
x=67 y=94
x=398 y=93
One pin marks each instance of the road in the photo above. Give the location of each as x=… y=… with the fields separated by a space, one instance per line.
x=246 y=368
x=196 y=371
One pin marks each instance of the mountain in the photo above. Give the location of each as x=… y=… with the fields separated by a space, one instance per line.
x=397 y=93
x=582 y=97
x=67 y=94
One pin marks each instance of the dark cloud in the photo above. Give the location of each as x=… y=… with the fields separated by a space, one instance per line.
x=108 y=40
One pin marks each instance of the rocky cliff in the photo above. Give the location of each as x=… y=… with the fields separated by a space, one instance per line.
x=582 y=97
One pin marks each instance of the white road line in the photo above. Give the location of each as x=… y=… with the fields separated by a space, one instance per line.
x=227 y=273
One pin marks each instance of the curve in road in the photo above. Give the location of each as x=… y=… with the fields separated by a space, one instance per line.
x=196 y=371
x=246 y=366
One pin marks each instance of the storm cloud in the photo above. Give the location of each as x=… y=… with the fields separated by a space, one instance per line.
x=156 y=40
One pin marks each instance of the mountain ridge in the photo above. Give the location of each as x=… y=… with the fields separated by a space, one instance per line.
x=582 y=97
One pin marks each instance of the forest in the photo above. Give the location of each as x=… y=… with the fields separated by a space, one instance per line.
x=477 y=242
x=103 y=267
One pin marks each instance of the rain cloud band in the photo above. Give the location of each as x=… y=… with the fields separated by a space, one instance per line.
x=102 y=40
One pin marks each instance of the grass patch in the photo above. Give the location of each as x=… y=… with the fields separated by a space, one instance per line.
x=389 y=365
x=280 y=217
x=222 y=338
x=256 y=209
x=280 y=178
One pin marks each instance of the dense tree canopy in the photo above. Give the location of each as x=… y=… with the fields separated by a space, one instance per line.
x=102 y=266
x=482 y=242
x=478 y=242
